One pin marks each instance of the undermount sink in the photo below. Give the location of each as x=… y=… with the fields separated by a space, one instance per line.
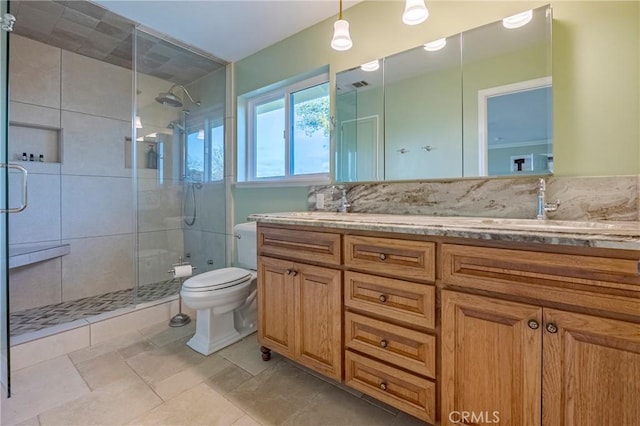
x=495 y=224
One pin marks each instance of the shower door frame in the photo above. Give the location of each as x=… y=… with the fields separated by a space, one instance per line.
x=5 y=369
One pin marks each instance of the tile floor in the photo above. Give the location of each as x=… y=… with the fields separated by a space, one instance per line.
x=152 y=377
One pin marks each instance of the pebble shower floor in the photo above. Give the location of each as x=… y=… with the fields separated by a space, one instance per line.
x=35 y=319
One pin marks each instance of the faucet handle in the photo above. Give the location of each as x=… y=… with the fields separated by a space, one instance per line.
x=542 y=185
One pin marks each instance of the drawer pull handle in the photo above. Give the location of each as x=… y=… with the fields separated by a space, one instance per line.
x=382 y=298
x=552 y=328
x=533 y=324
x=383 y=256
x=384 y=343
x=383 y=386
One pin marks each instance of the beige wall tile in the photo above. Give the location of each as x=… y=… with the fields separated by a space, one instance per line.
x=158 y=250
x=40 y=221
x=95 y=87
x=42 y=387
x=160 y=209
x=23 y=113
x=35 y=285
x=94 y=145
x=34 y=68
x=198 y=406
x=96 y=206
x=34 y=352
x=97 y=265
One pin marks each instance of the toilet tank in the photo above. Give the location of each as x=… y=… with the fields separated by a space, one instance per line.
x=247 y=245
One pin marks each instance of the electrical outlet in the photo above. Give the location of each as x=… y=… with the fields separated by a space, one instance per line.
x=319 y=201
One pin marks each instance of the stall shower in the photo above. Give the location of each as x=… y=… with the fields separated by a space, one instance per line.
x=113 y=201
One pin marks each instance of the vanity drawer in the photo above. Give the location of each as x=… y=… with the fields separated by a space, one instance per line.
x=296 y=244
x=402 y=258
x=391 y=343
x=599 y=282
x=395 y=299
x=390 y=385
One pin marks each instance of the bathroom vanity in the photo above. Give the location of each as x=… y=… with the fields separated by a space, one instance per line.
x=520 y=322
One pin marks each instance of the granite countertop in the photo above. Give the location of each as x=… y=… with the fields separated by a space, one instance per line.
x=606 y=234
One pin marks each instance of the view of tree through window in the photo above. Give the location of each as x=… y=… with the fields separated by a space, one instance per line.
x=303 y=147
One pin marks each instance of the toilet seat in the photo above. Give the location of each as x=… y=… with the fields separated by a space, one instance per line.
x=216 y=280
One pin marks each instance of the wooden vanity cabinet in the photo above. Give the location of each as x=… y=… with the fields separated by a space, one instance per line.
x=526 y=334
x=389 y=322
x=300 y=305
x=532 y=363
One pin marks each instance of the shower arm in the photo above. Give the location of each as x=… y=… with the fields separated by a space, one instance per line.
x=186 y=93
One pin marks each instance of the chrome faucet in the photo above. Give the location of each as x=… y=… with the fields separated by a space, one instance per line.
x=344 y=201
x=543 y=206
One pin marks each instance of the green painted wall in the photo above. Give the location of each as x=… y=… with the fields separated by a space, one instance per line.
x=595 y=72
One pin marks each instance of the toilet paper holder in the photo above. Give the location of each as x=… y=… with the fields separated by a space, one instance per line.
x=180 y=318
x=180 y=263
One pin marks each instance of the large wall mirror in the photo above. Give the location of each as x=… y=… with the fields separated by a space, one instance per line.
x=477 y=103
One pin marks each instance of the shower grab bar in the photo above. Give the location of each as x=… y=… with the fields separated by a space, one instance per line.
x=25 y=177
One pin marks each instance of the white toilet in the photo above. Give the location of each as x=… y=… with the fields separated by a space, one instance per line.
x=225 y=298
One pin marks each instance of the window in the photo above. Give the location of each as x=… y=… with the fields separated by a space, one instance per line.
x=288 y=134
x=204 y=149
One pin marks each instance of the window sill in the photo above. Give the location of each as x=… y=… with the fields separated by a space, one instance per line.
x=282 y=183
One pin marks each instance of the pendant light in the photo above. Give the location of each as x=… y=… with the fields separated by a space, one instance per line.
x=518 y=20
x=415 y=12
x=341 y=40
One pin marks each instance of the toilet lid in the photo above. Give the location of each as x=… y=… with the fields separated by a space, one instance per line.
x=218 y=279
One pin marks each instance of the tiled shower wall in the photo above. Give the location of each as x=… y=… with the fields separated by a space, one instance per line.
x=581 y=198
x=85 y=200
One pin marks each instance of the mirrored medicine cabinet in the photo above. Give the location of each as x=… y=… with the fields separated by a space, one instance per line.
x=478 y=103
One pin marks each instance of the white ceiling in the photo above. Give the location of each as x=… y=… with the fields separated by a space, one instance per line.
x=228 y=29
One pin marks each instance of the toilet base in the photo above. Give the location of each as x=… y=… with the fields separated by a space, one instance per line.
x=214 y=332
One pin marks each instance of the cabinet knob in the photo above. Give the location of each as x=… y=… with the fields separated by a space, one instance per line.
x=288 y=271
x=382 y=298
x=533 y=324
x=383 y=343
x=294 y=272
x=552 y=328
x=383 y=256
x=383 y=386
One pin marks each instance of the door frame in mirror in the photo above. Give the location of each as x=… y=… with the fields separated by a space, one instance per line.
x=483 y=96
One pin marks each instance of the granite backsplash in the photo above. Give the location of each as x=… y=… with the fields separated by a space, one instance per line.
x=581 y=198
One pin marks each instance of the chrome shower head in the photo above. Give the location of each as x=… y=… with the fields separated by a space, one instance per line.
x=171 y=99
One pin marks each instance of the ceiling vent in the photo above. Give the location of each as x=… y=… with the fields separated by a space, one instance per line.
x=359 y=84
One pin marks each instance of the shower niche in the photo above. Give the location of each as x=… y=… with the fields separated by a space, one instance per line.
x=35 y=144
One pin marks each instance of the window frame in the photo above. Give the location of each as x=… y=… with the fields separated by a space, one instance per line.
x=284 y=92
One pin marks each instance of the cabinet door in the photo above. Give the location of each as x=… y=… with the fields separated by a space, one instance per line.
x=491 y=355
x=276 y=320
x=319 y=319
x=591 y=370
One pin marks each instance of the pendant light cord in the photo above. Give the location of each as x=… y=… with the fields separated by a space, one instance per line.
x=340 y=16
